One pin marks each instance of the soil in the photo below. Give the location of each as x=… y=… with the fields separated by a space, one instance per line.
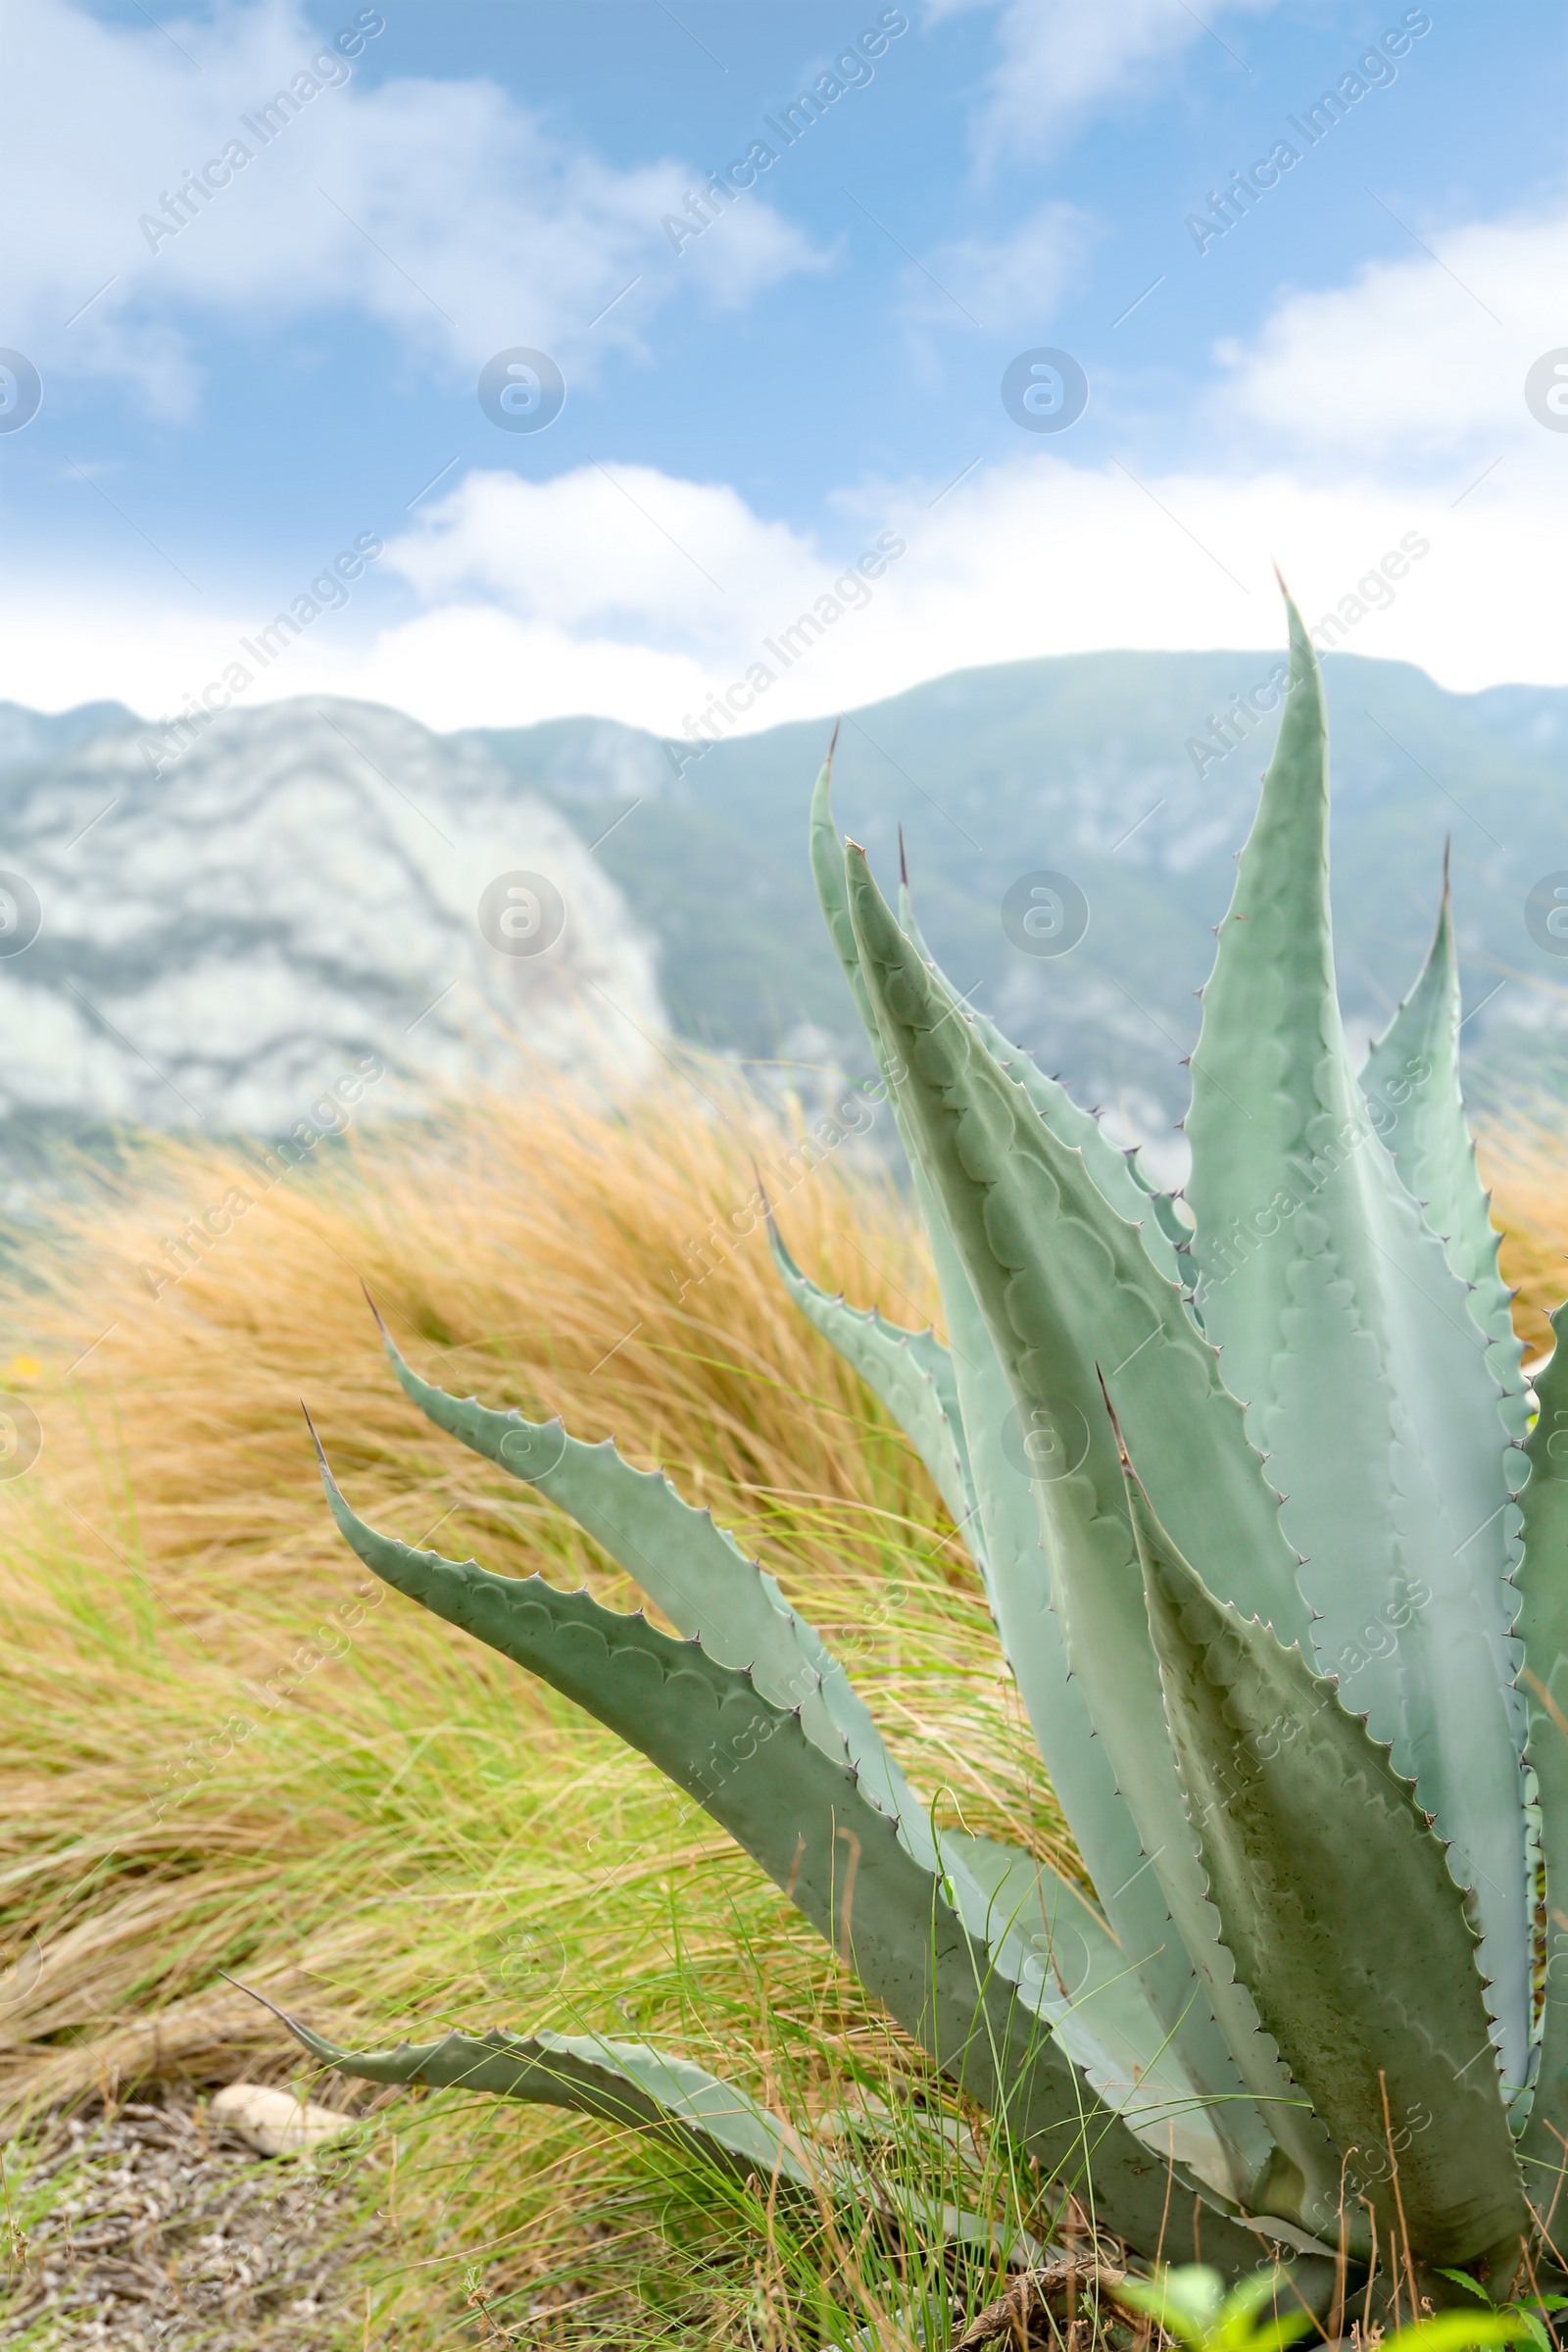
x=145 y=2228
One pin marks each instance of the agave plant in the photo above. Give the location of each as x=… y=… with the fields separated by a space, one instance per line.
x=1276 y=1546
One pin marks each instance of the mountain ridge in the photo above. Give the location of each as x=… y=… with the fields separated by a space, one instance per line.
x=1090 y=765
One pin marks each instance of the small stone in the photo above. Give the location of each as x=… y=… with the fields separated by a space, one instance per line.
x=274 y=2122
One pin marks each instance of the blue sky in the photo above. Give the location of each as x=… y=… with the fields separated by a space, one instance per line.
x=231 y=400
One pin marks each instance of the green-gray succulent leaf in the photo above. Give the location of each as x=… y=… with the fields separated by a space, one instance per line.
x=1345 y=1922
x=1019 y=1588
x=671 y=2100
x=1366 y=1375
x=697 y=1574
x=690 y=1567
x=1079 y=1766
x=1176 y=1228
x=1105 y=2021
x=911 y=1371
x=1078 y=1763
x=1065 y=1286
x=626 y=2083
x=1411 y=1083
x=1544 y=1625
x=816 y=1833
x=1115 y=1174
x=1062 y=1278
x=713 y=1594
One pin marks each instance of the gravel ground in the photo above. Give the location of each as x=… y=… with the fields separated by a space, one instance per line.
x=144 y=2226
x=146 y=2229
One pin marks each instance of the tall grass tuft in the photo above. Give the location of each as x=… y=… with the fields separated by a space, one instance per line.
x=1526 y=1160
x=226 y=1749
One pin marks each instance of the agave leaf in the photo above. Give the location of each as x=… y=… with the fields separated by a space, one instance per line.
x=1106 y=2020
x=1543 y=1624
x=1062 y=1278
x=697 y=1574
x=668 y=2098
x=1115 y=1174
x=1065 y=1284
x=1079 y=1764
x=819 y=1838
x=1018 y=1586
x=911 y=1371
x=624 y=2083
x=1175 y=1227
x=1411 y=1083
x=1365 y=1374
x=1352 y=1943
x=694 y=1570
x=699 y=1578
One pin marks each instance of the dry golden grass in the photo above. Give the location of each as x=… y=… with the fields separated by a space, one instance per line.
x=182 y=1789
x=1527 y=1165
x=225 y=1748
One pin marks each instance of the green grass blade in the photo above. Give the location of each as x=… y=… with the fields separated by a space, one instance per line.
x=805 y=1820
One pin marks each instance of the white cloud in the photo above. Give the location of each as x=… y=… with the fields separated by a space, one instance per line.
x=1418 y=358
x=449 y=215
x=1040 y=557
x=1034 y=555
x=1062 y=61
x=1012 y=284
x=628 y=592
x=617 y=551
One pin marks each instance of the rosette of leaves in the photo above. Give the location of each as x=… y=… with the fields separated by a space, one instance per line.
x=1276 y=1545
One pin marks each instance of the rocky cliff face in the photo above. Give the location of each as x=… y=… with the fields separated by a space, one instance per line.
x=308 y=896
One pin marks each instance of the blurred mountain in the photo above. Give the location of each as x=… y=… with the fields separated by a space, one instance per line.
x=29 y=737
x=283 y=916
x=299 y=888
x=1089 y=766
